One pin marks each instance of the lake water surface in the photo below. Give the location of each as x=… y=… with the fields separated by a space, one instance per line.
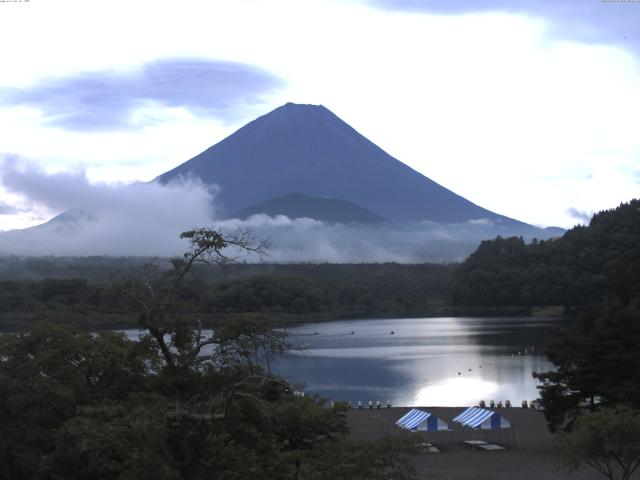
x=426 y=361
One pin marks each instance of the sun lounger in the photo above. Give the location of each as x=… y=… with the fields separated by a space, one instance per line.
x=377 y=403
x=536 y=405
x=474 y=443
x=370 y=404
x=490 y=447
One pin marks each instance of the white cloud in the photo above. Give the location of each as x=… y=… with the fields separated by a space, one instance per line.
x=146 y=219
x=139 y=219
x=492 y=106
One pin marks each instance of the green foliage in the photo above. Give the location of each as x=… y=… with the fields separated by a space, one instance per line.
x=77 y=405
x=596 y=360
x=583 y=267
x=47 y=375
x=607 y=440
x=289 y=292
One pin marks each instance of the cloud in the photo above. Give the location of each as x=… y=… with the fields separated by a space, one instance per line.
x=115 y=99
x=480 y=221
x=584 y=217
x=145 y=219
x=309 y=240
x=6 y=209
x=142 y=219
x=607 y=22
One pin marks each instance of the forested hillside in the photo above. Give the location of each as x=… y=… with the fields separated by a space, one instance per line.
x=584 y=266
x=288 y=293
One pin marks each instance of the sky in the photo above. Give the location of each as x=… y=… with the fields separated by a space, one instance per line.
x=528 y=109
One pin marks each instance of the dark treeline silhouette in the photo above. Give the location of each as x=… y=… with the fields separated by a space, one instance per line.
x=585 y=266
x=289 y=293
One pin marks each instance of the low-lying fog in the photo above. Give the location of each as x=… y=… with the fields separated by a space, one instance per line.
x=146 y=219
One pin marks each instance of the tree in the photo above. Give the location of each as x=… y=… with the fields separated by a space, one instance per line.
x=178 y=333
x=607 y=440
x=48 y=376
x=173 y=405
x=597 y=361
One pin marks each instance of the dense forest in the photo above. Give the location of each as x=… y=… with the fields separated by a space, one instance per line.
x=585 y=266
x=299 y=292
x=77 y=405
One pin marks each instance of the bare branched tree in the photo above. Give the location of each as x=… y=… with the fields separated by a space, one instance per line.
x=178 y=332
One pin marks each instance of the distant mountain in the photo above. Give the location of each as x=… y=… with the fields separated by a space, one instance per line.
x=308 y=149
x=298 y=161
x=555 y=231
x=299 y=205
x=64 y=223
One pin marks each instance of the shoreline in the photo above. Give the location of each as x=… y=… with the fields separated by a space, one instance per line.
x=20 y=324
x=530 y=454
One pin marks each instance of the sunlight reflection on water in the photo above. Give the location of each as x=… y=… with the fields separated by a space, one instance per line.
x=426 y=361
x=465 y=391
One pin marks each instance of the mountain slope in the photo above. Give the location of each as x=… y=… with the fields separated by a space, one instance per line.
x=298 y=205
x=308 y=149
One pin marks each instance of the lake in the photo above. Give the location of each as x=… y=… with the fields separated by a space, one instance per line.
x=426 y=361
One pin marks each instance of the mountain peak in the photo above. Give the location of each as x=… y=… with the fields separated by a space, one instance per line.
x=308 y=149
x=296 y=112
x=301 y=105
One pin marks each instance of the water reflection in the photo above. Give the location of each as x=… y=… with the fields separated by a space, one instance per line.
x=426 y=361
x=465 y=391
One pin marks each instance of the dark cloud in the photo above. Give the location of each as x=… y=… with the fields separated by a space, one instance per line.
x=590 y=21
x=105 y=100
x=584 y=217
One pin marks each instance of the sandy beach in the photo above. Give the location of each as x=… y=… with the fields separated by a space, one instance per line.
x=530 y=453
